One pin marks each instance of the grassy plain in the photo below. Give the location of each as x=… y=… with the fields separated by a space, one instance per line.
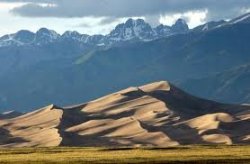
x=181 y=154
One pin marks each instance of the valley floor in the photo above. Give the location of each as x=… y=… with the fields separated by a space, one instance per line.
x=180 y=154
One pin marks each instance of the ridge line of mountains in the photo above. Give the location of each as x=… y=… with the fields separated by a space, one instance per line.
x=131 y=30
x=136 y=30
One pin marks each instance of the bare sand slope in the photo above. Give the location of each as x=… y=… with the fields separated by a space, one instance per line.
x=37 y=128
x=156 y=114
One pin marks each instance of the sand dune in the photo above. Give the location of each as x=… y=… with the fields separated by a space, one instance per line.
x=157 y=114
x=37 y=128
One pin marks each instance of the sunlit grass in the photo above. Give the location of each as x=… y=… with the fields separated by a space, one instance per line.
x=200 y=154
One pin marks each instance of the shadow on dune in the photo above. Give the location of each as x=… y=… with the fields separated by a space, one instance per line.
x=7 y=139
x=72 y=117
x=182 y=104
x=182 y=134
x=188 y=107
x=185 y=105
x=237 y=130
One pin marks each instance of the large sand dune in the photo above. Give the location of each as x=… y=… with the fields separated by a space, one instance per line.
x=156 y=114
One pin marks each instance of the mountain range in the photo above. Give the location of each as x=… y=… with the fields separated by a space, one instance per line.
x=156 y=114
x=131 y=30
x=210 y=61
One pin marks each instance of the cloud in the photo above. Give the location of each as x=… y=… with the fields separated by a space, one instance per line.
x=108 y=20
x=114 y=9
x=92 y=22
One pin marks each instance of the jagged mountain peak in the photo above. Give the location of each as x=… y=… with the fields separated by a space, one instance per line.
x=44 y=36
x=45 y=31
x=180 y=26
x=135 y=22
x=132 y=29
x=24 y=36
x=71 y=33
x=180 y=21
x=163 y=30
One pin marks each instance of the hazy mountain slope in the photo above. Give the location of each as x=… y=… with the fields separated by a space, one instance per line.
x=71 y=77
x=69 y=72
x=208 y=26
x=156 y=114
x=10 y=114
x=232 y=85
x=18 y=58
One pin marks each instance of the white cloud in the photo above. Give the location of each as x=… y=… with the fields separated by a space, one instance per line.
x=169 y=19
x=221 y=9
x=13 y=23
x=101 y=16
x=193 y=18
x=245 y=10
x=9 y=6
x=47 y=5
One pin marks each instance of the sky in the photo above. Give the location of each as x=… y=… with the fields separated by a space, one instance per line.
x=101 y=16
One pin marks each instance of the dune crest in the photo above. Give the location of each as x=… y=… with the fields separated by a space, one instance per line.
x=156 y=114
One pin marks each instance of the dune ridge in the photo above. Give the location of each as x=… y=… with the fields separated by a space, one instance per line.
x=156 y=114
